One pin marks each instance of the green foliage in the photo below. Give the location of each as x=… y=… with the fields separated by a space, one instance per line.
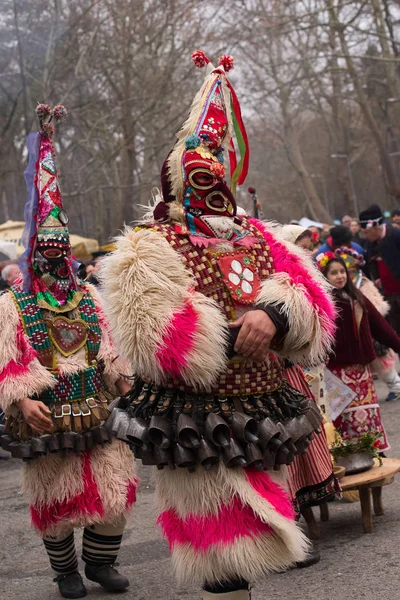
x=367 y=443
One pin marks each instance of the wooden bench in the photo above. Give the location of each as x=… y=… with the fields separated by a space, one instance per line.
x=371 y=481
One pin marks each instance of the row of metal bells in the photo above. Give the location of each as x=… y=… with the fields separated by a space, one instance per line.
x=68 y=442
x=241 y=442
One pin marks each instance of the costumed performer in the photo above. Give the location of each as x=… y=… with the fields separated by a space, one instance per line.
x=205 y=303
x=58 y=373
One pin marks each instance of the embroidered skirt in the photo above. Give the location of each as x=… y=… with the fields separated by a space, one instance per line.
x=363 y=415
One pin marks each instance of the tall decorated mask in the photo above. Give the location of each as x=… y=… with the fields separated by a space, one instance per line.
x=193 y=178
x=47 y=266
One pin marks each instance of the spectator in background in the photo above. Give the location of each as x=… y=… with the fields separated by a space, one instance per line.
x=355 y=229
x=383 y=258
x=10 y=274
x=340 y=236
x=395 y=217
x=316 y=237
x=346 y=221
x=92 y=268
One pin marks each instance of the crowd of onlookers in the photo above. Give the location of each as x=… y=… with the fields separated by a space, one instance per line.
x=349 y=230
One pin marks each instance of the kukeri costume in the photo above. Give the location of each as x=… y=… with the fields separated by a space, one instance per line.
x=211 y=421
x=55 y=347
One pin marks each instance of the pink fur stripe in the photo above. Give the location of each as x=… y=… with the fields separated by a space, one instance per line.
x=19 y=365
x=262 y=483
x=131 y=493
x=87 y=502
x=289 y=263
x=178 y=341
x=232 y=521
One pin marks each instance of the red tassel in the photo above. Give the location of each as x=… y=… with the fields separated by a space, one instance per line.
x=60 y=112
x=200 y=59
x=227 y=61
x=43 y=111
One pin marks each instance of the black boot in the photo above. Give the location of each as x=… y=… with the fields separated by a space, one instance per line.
x=71 y=585
x=313 y=558
x=107 y=577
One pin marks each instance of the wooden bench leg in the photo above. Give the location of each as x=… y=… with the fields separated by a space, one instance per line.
x=366 y=511
x=324 y=512
x=313 y=526
x=377 y=500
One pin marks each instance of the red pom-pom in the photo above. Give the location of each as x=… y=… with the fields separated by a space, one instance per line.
x=217 y=170
x=226 y=61
x=43 y=111
x=251 y=190
x=200 y=59
x=60 y=112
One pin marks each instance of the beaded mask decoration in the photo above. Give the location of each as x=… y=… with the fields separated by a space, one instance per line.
x=195 y=191
x=47 y=266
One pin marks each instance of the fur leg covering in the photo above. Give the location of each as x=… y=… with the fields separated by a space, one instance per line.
x=77 y=491
x=227 y=524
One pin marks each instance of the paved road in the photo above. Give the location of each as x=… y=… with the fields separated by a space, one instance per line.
x=354 y=566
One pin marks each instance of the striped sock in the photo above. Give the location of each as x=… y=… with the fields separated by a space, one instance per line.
x=98 y=549
x=62 y=554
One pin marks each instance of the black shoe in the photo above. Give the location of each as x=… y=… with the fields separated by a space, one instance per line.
x=71 y=585
x=4 y=455
x=107 y=577
x=313 y=558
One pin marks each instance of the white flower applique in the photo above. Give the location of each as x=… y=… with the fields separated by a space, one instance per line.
x=242 y=277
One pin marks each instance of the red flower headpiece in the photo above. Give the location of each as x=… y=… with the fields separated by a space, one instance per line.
x=323 y=259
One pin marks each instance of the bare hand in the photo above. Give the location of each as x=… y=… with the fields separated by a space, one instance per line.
x=34 y=414
x=378 y=283
x=256 y=333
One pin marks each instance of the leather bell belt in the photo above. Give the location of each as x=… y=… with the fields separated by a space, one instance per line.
x=165 y=427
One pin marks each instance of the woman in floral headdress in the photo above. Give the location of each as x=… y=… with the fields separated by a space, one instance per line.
x=358 y=324
x=384 y=363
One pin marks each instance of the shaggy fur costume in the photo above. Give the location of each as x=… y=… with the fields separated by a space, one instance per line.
x=165 y=329
x=303 y=294
x=227 y=522
x=155 y=313
x=221 y=524
x=96 y=487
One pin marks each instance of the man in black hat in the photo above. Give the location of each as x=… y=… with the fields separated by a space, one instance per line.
x=383 y=258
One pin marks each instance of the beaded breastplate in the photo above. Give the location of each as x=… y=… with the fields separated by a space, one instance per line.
x=59 y=333
x=229 y=278
x=232 y=279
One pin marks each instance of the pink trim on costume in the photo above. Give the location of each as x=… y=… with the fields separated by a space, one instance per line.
x=289 y=263
x=178 y=341
x=19 y=365
x=13 y=369
x=87 y=503
x=232 y=521
x=272 y=492
x=131 y=493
